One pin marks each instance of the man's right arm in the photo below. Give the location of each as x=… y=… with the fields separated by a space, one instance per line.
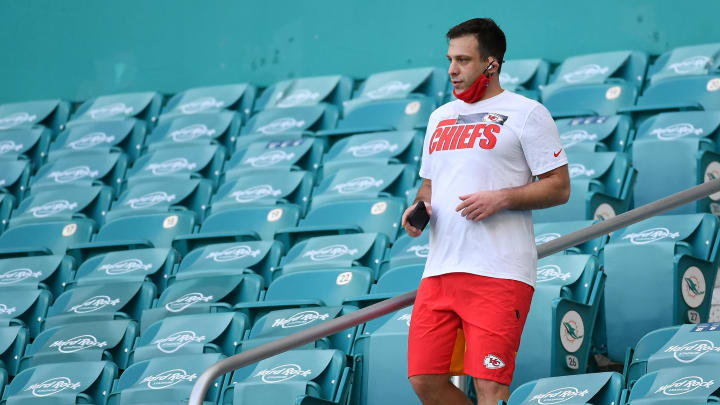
x=423 y=194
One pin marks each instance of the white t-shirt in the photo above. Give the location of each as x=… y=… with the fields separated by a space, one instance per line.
x=500 y=142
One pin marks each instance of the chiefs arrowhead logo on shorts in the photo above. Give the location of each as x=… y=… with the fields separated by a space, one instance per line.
x=466 y=131
x=493 y=362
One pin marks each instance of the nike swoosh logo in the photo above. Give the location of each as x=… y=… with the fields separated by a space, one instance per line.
x=556 y=154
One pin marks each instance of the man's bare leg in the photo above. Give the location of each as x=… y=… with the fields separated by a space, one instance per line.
x=436 y=389
x=490 y=392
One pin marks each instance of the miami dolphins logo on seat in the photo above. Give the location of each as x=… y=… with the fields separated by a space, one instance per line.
x=572 y=331
x=9 y=146
x=693 y=287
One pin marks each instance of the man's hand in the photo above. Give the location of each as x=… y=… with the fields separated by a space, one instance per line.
x=480 y=205
x=411 y=230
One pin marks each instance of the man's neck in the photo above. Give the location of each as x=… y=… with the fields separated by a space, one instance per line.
x=493 y=90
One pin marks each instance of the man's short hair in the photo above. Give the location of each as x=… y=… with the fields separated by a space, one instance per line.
x=491 y=39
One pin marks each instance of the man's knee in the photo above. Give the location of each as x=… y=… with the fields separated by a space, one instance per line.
x=426 y=385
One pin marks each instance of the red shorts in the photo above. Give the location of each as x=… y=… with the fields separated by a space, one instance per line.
x=464 y=323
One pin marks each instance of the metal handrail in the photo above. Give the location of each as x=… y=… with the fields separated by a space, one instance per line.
x=404 y=300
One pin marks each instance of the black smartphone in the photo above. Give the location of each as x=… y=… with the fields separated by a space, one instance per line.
x=419 y=217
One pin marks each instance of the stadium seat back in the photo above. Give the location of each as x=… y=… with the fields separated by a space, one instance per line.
x=681 y=385
x=595 y=133
x=12 y=346
x=50 y=272
x=152 y=195
x=297 y=154
x=45 y=238
x=306 y=91
x=127 y=135
x=62 y=204
x=134 y=265
x=183 y=160
x=212 y=99
x=268 y=188
x=685 y=61
x=596 y=388
x=52 y=114
x=144 y=106
x=25 y=143
x=221 y=127
x=368 y=182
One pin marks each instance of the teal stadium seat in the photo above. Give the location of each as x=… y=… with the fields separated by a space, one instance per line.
x=191 y=334
x=127 y=135
x=136 y=265
x=294 y=377
x=596 y=388
x=49 y=272
x=24 y=307
x=600 y=187
x=52 y=114
x=693 y=60
x=82 y=169
x=423 y=82
x=89 y=341
x=393 y=282
x=675 y=151
x=203 y=295
x=154 y=195
x=86 y=382
x=595 y=133
x=672 y=347
x=591 y=99
x=47 y=238
x=135 y=232
x=12 y=346
x=651 y=261
x=90 y=303
x=7 y=203
x=306 y=91
x=288 y=123
x=367 y=182
x=213 y=99
x=63 y=204
x=524 y=76
x=267 y=188
x=142 y=106
x=295 y=154
x=548 y=231
x=380 y=148
x=219 y=127
x=25 y=143
x=558 y=334
x=682 y=385
x=165 y=381
x=407 y=251
x=183 y=161
x=14 y=177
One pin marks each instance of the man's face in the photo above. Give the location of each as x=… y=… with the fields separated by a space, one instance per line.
x=466 y=64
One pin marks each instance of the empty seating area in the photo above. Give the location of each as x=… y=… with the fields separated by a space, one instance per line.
x=146 y=236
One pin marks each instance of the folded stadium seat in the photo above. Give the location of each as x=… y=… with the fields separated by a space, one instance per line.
x=165 y=381
x=220 y=127
x=591 y=99
x=681 y=93
x=183 y=161
x=89 y=341
x=89 y=303
x=548 y=231
x=212 y=99
x=672 y=347
x=593 y=388
x=380 y=353
x=681 y=385
x=284 y=322
x=51 y=114
x=367 y=182
x=265 y=188
x=49 y=272
x=191 y=334
x=347 y=216
x=259 y=257
x=7 y=202
x=562 y=317
x=403 y=84
x=25 y=307
x=47 y=238
x=310 y=288
x=664 y=256
x=136 y=265
x=142 y=106
x=25 y=143
x=595 y=133
x=14 y=177
x=391 y=283
x=351 y=250
x=601 y=187
x=298 y=154
x=693 y=60
x=62 y=384
x=168 y=194
x=12 y=345
x=82 y=169
x=292 y=377
x=63 y=204
x=306 y=91
x=382 y=115
x=240 y=224
x=203 y=295
x=288 y=123
x=380 y=148
x=134 y=232
x=675 y=151
x=127 y=135
x=524 y=76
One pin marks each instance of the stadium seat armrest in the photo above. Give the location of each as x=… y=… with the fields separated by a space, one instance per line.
x=661 y=107
x=24 y=251
x=571 y=113
x=82 y=251
x=279 y=304
x=367 y=300
x=287 y=236
x=188 y=242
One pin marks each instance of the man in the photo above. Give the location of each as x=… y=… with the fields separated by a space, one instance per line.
x=480 y=156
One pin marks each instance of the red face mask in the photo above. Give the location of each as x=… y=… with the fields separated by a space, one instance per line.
x=477 y=89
